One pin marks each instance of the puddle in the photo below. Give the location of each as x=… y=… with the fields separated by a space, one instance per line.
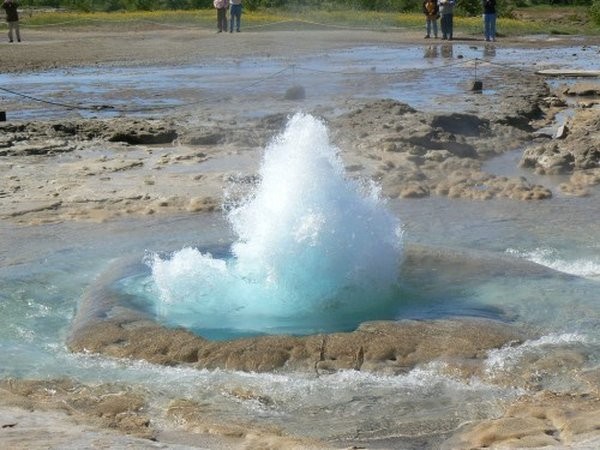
x=401 y=73
x=507 y=165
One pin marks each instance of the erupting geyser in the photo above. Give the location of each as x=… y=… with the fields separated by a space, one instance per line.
x=315 y=250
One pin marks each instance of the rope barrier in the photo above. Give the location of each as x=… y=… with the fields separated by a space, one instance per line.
x=50 y=102
x=293 y=67
x=24 y=23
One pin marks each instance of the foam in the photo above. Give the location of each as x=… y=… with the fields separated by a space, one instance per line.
x=505 y=358
x=549 y=257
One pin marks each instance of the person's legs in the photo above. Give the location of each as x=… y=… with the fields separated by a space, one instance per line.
x=428 y=28
x=13 y=28
x=435 y=30
x=221 y=19
x=493 y=27
x=450 y=25
x=444 y=24
x=236 y=15
x=487 y=27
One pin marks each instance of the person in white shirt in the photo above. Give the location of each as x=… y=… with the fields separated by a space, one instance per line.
x=447 y=18
x=221 y=7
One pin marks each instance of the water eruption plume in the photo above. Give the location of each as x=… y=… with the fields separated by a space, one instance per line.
x=315 y=251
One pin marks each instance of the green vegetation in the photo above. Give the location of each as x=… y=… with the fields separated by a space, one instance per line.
x=595 y=12
x=517 y=17
x=466 y=7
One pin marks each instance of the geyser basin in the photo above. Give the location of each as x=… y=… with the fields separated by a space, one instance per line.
x=315 y=251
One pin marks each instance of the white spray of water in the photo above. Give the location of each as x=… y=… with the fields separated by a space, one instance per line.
x=314 y=251
x=505 y=358
x=549 y=257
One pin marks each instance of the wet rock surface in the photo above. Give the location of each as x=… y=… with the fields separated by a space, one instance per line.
x=382 y=347
x=105 y=323
x=67 y=414
x=576 y=152
x=545 y=420
x=113 y=407
x=413 y=154
x=100 y=169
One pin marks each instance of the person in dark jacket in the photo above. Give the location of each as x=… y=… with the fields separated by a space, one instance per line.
x=489 y=19
x=431 y=11
x=12 y=18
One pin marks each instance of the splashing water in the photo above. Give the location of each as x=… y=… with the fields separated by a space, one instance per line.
x=588 y=267
x=315 y=251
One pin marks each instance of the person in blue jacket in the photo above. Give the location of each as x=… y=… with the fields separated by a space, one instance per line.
x=235 y=15
x=489 y=19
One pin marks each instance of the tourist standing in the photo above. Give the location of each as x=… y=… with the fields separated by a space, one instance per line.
x=447 y=18
x=431 y=11
x=221 y=7
x=489 y=19
x=235 y=13
x=12 y=18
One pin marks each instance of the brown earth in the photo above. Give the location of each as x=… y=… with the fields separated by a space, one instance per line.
x=151 y=45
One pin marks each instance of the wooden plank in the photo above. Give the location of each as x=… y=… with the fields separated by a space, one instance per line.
x=568 y=73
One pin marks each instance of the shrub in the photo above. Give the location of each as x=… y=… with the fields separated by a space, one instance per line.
x=468 y=8
x=595 y=12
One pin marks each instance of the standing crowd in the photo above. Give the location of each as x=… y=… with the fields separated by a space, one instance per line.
x=444 y=11
x=433 y=10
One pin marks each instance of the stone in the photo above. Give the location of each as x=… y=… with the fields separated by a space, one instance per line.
x=296 y=92
x=561 y=132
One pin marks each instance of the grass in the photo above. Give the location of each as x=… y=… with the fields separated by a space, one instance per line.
x=530 y=21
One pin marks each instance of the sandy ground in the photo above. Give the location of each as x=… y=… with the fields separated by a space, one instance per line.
x=42 y=49
x=78 y=188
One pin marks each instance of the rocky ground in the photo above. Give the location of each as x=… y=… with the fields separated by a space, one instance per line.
x=99 y=169
x=77 y=169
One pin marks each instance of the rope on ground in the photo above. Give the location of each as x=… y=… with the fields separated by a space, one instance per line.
x=330 y=25
x=51 y=102
x=131 y=110
x=25 y=24
x=474 y=63
x=511 y=66
x=167 y=25
x=269 y=24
